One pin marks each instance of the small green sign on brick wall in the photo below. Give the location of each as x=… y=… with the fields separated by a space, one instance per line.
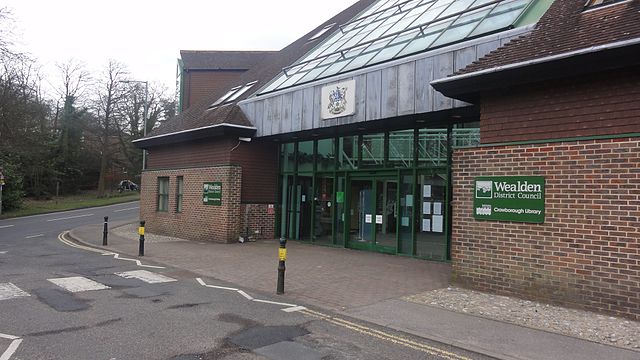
x=509 y=198
x=212 y=193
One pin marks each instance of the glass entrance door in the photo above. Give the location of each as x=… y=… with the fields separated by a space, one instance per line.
x=373 y=214
x=386 y=217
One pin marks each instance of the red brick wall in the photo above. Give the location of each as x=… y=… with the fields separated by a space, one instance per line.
x=199 y=84
x=197 y=221
x=604 y=104
x=587 y=252
x=261 y=223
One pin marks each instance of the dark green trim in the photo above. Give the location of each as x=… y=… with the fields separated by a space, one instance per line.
x=191 y=168
x=549 y=141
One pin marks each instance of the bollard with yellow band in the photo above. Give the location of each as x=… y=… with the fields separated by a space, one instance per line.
x=282 y=257
x=141 y=233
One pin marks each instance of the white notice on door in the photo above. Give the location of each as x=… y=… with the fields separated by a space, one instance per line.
x=426 y=191
x=438 y=223
x=378 y=219
x=426 y=225
x=437 y=208
x=426 y=207
x=367 y=218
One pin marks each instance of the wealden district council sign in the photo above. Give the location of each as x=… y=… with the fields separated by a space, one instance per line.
x=509 y=198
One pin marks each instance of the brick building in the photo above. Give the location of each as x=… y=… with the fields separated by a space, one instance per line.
x=200 y=72
x=381 y=129
x=562 y=103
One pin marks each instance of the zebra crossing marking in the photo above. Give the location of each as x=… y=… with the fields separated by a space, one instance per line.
x=146 y=276
x=76 y=284
x=10 y=291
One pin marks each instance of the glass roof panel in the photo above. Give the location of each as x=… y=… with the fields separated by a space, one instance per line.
x=461 y=27
x=394 y=28
x=503 y=15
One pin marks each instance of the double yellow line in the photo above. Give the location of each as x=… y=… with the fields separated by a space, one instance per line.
x=398 y=340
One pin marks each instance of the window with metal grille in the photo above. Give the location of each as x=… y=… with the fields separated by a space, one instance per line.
x=179 y=193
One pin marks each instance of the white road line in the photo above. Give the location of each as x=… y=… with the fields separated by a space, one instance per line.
x=78 y=283
x=33 y=236
x=62 y=239
x=10 y=291
x=290 y=307
x=6 y=226
x=295 y=308
x=15 y=343
x=72 y=211
x=3 y=252
x=70 y=217
x=131 y=208
x=146 y=276
x=249 y=297
x=273 y=302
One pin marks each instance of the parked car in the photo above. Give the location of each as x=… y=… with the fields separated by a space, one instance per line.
x=127 y=185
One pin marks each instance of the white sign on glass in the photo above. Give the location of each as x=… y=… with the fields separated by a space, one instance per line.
x=367 y=218
x=378 y=219
x=438 y=223
x=437 y=208
x=426 y=225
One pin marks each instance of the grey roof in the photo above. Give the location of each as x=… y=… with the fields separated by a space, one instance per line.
x=227 y=60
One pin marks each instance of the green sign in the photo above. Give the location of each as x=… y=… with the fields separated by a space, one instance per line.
x=509 y=198
x=212 y=193
x=340 y=197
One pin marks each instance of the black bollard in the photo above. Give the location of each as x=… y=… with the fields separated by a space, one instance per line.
x=141 y=232
x=104 y=232
x=282 y=257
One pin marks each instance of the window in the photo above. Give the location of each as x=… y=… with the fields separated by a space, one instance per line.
x=179 y=193
x=321 y=31
x=241 y=91
x=597 y=3
x=224 y=97
x=232 y=94
x=163 y=194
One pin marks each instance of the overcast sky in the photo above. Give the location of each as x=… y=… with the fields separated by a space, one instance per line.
x=147 y=35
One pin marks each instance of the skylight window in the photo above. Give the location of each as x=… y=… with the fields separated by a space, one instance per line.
x=598 y=3
x=241 y=91
x=322 y=31
x=224 y=97
x=390 y=29
x=232 y=94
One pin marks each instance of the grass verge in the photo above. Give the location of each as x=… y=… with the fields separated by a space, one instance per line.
x=35 y=207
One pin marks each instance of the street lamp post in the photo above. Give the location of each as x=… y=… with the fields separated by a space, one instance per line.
x=144 y=116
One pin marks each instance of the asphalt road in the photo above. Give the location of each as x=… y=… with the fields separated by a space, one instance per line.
x=59 y=300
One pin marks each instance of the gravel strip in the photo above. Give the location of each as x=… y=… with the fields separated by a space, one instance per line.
x=577 y=323
x=130 y=231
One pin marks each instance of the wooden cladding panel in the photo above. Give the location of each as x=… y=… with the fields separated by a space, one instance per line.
x=194 y=153
x=259 y=163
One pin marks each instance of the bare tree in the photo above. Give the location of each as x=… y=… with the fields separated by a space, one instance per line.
x=110 y=92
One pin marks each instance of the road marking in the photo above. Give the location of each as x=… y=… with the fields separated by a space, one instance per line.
x=15 y=343
x=33 y=236
x=70 y=217
x=10 y=291
x=289 y=307
x=3 y=252
x=72 y=211
x=295 y=308
x=146 y=276
x=78 y=284
x=65 y=241
x=6 y=226
x=399 y=340
x=131 y=208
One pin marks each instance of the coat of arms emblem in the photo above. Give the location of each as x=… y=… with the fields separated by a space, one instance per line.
x=337 y=100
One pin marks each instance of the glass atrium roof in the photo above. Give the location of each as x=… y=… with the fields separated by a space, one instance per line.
x=390 y=29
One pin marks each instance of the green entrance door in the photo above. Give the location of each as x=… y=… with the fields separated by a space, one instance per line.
x=373 y=214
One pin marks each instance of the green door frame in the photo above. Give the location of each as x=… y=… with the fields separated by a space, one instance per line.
x=373 y=177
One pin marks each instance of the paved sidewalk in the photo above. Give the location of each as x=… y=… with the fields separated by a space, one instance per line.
x=363 y=285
